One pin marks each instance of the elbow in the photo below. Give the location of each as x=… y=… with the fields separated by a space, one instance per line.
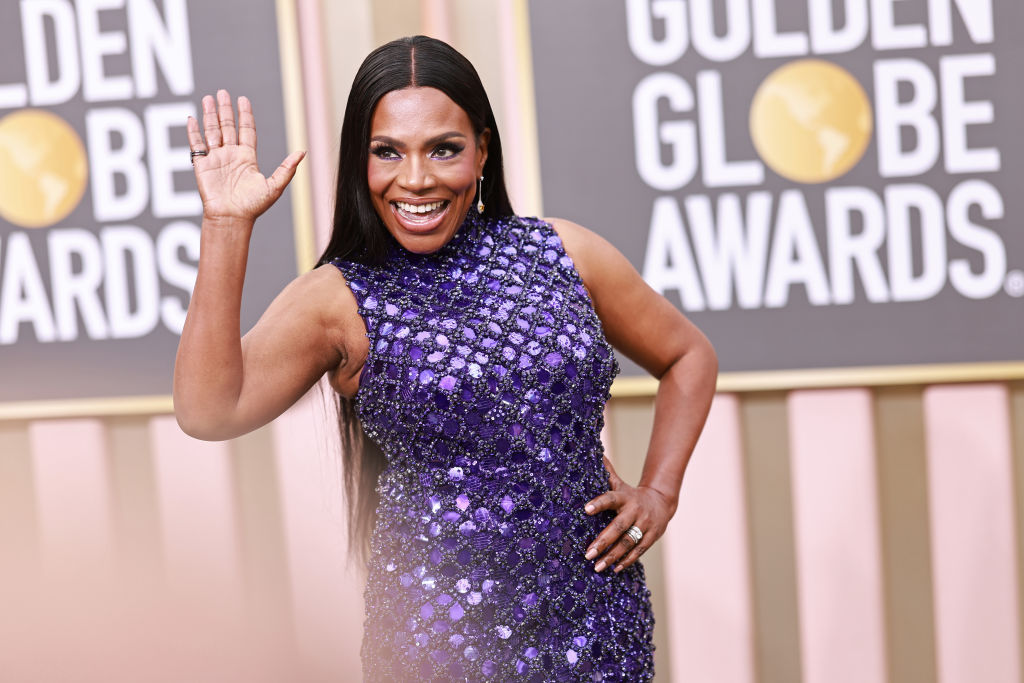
x=198 y=424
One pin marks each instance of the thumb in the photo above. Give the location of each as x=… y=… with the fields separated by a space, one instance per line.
x=284 y=173
x=615 y=480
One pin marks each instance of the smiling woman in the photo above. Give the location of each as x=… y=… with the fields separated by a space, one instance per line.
x=425 y=162
x=471 y=353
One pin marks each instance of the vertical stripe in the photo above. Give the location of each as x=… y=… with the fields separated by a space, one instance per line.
x=72 y=494
x=394 y=19
x=261 y=538
x=838 y=554
x=1017 y=422
x=133 y=496
x=710 y=613
x=18 y=524
x=321 y=157
x=436 y=19
x=326 y=583
x=766 y=450
x=630 y=421
x=295 y=123
x=197 y=512
x=512 y=123
x=970 y=475
x=906 y=551
x=348 y=31
x=522 y=161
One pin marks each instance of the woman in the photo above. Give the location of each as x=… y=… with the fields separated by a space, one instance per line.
x=472 y=344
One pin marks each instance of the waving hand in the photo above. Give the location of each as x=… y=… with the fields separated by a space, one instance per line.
x=230 y=183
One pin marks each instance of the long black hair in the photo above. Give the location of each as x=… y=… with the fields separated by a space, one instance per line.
x=359 y=235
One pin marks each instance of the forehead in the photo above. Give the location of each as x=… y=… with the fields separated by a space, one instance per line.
x=411 y=112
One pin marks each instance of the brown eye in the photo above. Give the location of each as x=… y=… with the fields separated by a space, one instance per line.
x=386 y=152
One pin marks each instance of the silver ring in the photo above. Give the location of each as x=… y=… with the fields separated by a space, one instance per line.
x=634 y=534
x=196 y=153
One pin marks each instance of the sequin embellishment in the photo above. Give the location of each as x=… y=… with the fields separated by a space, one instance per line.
x=485 y=387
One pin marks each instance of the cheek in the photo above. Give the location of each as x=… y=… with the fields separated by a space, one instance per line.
x=378 y=177
x=462 y=176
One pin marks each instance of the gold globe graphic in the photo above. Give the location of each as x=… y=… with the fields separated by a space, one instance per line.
x=810 y=121
x=43 y=168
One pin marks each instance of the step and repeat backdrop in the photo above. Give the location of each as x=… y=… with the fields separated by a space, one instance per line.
x=816 y=184
x=99 y=215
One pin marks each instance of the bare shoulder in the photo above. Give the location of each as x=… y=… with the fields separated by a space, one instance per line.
x=595 y=257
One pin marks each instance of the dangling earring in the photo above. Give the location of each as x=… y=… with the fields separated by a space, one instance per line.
x=480 y=196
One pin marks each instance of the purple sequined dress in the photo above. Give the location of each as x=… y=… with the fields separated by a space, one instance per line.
x=485 y=386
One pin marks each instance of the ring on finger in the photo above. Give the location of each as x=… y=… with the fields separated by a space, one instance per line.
x=634 y=534
x=196 y=153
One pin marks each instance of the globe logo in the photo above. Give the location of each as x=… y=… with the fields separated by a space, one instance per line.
x=43 y=168
x=810 y=121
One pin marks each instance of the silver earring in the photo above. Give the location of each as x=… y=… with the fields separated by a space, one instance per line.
x=480 y=196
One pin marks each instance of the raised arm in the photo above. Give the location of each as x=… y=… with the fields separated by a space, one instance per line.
x=225 y=385
x=653 y=333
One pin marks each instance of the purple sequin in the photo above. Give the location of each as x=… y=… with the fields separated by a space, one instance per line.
x=485 y=387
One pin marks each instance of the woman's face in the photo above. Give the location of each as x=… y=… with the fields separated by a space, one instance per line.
x=424 y=164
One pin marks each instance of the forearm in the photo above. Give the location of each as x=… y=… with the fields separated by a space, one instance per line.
x=680 y=409
x=208 y=371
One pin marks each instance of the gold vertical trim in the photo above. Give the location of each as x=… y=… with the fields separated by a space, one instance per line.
x=765 y=438
x=528 y=109
x=295 y=131
x=1016 y=398
x=905 y=534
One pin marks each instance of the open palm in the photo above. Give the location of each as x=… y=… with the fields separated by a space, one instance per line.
x=230 y=183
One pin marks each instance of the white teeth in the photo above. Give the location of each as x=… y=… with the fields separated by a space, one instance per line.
x=419 y=208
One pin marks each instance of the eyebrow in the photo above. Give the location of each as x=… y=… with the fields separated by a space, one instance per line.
x=432 y=141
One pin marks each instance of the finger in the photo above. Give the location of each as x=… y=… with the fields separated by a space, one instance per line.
x=246 y=123
x=609 y=500
x=611 y=535
x=195 y=138
x=211 y=124
x=284 y=173
x=226 y=115
x=616 y=551
x=633 y=555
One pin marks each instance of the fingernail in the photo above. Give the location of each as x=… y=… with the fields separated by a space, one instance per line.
x=589 y=507
x=599 y=566
x=618 y=568
x=591 y=554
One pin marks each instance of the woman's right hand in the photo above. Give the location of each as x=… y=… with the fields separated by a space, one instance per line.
x=230 y=183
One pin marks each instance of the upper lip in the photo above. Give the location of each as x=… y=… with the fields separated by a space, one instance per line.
x=417 y=200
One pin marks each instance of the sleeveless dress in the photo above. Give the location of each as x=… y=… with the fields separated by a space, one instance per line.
x=485 y=386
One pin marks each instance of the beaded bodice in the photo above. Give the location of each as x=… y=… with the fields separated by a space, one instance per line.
x=485 y=385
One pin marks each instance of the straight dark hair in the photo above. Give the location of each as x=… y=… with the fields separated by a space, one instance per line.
x=358 y=233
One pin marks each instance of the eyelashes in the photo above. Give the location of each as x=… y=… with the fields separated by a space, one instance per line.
x=442 y=152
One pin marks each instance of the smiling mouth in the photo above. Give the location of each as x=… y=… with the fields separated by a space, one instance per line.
x=420 y=215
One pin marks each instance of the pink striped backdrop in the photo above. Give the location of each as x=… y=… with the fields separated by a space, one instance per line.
x=827 y=536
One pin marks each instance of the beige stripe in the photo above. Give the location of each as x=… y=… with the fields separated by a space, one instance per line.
x=629 y=429
x=133 y=490
x=19 y=528
x=1017 y=426
x=773 y=565
x=906 y=548
x=261 y=537
x=395 y=18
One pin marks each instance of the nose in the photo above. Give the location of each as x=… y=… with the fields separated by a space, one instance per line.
x=415 y=175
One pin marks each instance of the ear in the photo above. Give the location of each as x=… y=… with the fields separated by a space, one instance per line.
x=482 y=141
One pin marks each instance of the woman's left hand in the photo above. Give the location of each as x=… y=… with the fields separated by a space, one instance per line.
x=641 y=506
